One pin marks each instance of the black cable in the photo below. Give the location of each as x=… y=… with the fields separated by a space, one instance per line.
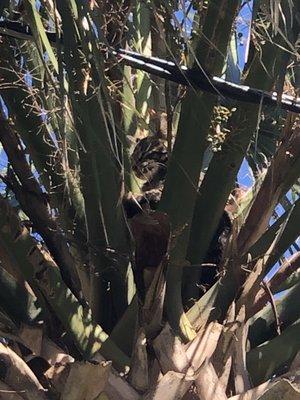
x=204 y=81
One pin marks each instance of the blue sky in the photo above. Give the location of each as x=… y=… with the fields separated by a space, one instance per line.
x=243 y=32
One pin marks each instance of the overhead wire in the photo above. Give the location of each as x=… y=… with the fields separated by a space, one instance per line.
x=196 y=77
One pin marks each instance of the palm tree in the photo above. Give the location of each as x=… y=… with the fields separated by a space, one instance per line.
x=134 y=263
